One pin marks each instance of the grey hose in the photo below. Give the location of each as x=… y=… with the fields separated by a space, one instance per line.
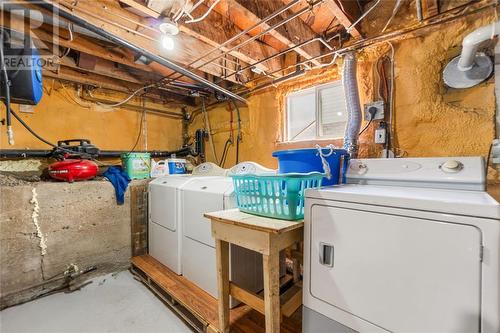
x=353 y=106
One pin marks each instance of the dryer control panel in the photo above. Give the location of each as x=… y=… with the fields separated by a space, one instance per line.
x=464 y=173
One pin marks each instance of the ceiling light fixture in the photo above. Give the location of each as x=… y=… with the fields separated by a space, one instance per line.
x=167 y=42
x=168 y=29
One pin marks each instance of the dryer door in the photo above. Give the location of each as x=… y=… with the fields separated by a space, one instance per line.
x=400 y=273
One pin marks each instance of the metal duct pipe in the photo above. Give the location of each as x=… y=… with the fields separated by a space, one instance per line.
x=150 y=55
x=353 y=106
x=471 y=67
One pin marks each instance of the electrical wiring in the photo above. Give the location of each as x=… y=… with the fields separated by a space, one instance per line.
x=6 y=82
x=239 y=134
x=362 y=16
x=397 y=6
x=73 y=98
x=225 y=152
x=126 y=99
x=140 y=129
x=29 y=129
x=391 y=99
x=366 y=127
x=201 y=18
x=70 y=25
x=209 y=130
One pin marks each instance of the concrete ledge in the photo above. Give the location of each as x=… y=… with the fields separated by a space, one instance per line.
x=80 y=223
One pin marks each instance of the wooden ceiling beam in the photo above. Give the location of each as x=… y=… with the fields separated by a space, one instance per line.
x=214 y=30
x=346 y=12
x=140 y=8
x=84 y=44
x=109 y=16
x=320 y=19
x=431 y=7
x=104 y=82
x=247 y=13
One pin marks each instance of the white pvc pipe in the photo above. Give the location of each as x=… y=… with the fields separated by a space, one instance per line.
x=471 y=44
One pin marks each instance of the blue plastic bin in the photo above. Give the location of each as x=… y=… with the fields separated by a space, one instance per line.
x=308 y=160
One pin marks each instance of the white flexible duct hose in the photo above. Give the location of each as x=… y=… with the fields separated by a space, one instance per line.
x=353 y=106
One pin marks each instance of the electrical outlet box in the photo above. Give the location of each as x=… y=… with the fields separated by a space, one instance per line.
x=379 y=114
x=380 y=135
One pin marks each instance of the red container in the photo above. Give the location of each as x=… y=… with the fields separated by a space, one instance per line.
x=73 y=170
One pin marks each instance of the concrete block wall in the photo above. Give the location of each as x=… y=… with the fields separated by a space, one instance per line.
x=79 y=223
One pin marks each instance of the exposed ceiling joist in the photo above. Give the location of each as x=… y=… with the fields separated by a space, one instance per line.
x=100 y=17
x=247 y=13
x=214 y=30
x=431 y=7
x=84 y=44
x=320 y=19
x=112 y=19
x=140 y=8
x=100 y=81
x=346 y=12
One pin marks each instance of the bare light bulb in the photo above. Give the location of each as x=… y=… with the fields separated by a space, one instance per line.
x=167 y=42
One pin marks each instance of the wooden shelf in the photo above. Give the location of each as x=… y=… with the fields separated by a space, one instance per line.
x=198 y=308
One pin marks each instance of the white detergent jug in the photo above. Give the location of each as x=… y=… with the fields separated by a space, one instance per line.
x=159 y=169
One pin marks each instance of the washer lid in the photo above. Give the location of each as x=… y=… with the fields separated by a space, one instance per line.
x=171 y=180
x=216 y=185
x=469 y=203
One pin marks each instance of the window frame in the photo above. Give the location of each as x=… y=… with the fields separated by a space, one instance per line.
x=318 y=113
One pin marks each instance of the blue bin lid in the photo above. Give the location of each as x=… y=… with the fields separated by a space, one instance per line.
x=306 y=151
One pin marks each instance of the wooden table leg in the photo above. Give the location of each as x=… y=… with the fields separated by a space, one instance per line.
x=272 y=292
x=222 y=253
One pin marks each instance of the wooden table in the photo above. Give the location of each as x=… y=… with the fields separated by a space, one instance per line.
x=263 y=235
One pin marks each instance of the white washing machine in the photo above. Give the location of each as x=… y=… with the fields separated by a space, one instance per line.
x=165 y=229
x=203 y=195
x=411 y=245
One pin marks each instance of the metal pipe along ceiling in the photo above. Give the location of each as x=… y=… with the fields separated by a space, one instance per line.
x=150 y=55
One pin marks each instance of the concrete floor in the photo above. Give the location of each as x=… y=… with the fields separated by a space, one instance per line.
x=112 y=303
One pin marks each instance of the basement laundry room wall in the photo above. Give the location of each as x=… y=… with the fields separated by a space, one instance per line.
x=50 y=230
x=76 y=224
x=62 y=115
x=429 y=119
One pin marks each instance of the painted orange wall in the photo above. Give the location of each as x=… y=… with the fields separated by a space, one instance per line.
x=61 y=115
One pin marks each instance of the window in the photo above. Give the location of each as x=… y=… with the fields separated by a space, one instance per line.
x=316 y=113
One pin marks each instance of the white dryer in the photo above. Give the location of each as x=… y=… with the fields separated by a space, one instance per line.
x=411 y=245
x=203 y=195
x=165 y=229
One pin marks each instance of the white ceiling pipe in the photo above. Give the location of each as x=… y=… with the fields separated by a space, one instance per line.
x=471 y=67
x=471 y=44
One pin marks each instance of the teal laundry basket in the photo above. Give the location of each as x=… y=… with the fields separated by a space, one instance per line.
x=276 y=196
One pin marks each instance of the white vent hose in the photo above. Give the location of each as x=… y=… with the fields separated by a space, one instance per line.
x=351 y=92
x=471 y=67
x=471 y=44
